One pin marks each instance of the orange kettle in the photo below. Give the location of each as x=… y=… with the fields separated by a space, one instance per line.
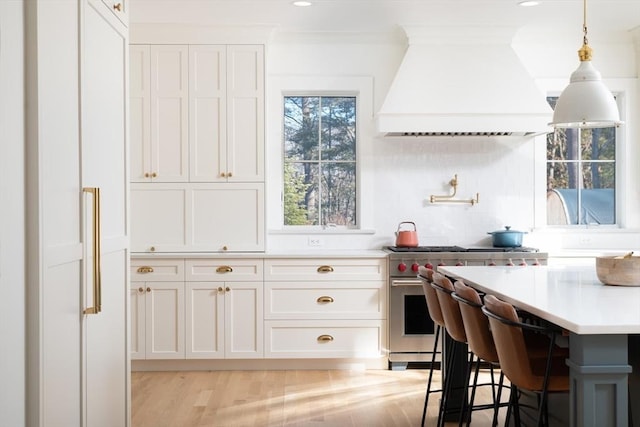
x=407 y=238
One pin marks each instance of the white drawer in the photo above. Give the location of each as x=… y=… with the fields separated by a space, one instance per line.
x=157 y=270
x=224 y=269
x=325 y=300
x=326 y=269
x=324 y=339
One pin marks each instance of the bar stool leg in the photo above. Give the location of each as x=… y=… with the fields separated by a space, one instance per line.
x=433 y=361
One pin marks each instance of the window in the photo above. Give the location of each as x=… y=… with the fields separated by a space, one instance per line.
x=581 y=176
x=320 y=161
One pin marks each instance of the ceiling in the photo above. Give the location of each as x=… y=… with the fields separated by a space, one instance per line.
x=605 y=18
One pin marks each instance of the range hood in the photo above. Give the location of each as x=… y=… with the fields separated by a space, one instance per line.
x=459 y=82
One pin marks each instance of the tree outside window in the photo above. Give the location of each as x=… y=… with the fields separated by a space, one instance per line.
x=581 y=179
x=320 y=161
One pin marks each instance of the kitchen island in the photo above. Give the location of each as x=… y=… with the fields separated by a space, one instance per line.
x=600 y=320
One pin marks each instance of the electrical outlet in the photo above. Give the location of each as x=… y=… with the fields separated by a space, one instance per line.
x=315 y=241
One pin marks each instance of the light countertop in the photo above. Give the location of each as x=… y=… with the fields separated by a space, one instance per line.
x=317 y=253
x=571 y=297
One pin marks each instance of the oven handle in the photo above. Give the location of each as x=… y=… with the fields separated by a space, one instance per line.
x=406 y=282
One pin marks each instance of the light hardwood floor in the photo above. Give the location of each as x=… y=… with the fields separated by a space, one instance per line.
x=286 y=398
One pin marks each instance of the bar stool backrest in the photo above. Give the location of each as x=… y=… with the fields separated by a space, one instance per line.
x=433 y=305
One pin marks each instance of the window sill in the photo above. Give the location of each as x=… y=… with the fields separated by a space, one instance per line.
x=322 y=231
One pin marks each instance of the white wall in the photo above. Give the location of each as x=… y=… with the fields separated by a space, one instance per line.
x=399 y=176
x=12 y=279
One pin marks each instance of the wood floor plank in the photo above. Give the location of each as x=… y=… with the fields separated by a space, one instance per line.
x=295 y=398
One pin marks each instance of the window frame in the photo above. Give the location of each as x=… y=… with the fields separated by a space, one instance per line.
x=624 y=91
x=360 y=87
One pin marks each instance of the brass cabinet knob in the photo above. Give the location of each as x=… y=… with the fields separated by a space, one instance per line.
x=324 y=299
x=229 y=174
x=222 y=174
x=325 y=338
x=224 y=269
x=145 y=269
x=224 y=248
x=152 y=248
x=147 y=175
x=220 y=289
x=148 y=289
x=325 y=269
x=154 y=175
x=118 y=7
x=227 y=289
x=141 y=289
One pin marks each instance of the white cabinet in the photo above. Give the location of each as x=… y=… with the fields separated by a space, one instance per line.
x=224 y=309
x=159 y=95
x=325 y=308
x=157 y=309
x=197 y=217
x=120 y=9
x=77 y=250
x=226 y=113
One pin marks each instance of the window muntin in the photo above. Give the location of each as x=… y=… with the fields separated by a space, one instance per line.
x=581 y=176
x=320 y=161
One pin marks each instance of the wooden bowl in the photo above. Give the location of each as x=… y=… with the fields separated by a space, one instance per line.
x=618 y=270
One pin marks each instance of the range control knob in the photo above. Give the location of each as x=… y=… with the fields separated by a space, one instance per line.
x=510 y=263
x=429 y=266
x=459 y=264
x=441 y=263
x=492 y=263
x=522 y=262
x=414 y=267
x=536 y=262
x=402 y=267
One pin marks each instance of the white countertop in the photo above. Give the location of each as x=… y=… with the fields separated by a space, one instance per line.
x=569 y=296
x=317 y=253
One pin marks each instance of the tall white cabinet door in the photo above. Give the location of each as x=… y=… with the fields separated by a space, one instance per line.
x=103 y=75
x=164 y=326
x=245 y=113
x=205 y=327
x=140 y=112
x=243 y=320
x=207 y=113
x=137 y=320
x=169 y=113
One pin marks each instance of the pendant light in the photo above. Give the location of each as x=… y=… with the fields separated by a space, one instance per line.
x=586 y=102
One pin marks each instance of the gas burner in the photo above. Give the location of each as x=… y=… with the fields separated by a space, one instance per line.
x=506 y=249
x=426 y=249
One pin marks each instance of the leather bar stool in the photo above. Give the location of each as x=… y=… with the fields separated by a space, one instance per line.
x=521 y=361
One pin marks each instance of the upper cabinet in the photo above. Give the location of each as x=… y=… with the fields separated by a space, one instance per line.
x=197 y=113
x=226 y=122
x=159 y=91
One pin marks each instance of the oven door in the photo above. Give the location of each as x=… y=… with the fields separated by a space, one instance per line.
x=411 y=330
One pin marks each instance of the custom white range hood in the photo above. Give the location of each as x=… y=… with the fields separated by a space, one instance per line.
x=462 y=81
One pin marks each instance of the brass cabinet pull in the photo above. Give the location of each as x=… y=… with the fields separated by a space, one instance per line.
x=154 y=175
x=97 y=276
x=227 y=289
x=118 y=7
x=324 y=299
x=146 y=175
x=325 y=269
x=220 y=289
x=141 y=289
x=325 y=338
x=229 y=174
x=152 y=248
x=224 y=269
x=148 y=289
x=224 y=248
x=222 y=174
x=145 y=269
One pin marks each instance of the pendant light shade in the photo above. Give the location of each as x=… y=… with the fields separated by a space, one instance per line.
x=586 y=102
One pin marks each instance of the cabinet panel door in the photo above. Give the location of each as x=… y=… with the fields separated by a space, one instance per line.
x=207 y=113
x=158 y=218
x=165 y=320
x=243 y=320
x=227 y=215
x=205 y=327
x=245 y=110
x=140 y=113
x=137 y=306
x=169 y=113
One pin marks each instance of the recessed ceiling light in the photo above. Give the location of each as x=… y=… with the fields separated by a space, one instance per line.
x=302 y=3
x=527 y=3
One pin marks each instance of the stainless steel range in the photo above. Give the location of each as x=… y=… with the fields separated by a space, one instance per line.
x=411 y=330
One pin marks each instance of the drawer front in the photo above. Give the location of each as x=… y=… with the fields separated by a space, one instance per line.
x=324 y=339
x=326 y=269
x=325 y=300
x=157 y=270
x=221 y=270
